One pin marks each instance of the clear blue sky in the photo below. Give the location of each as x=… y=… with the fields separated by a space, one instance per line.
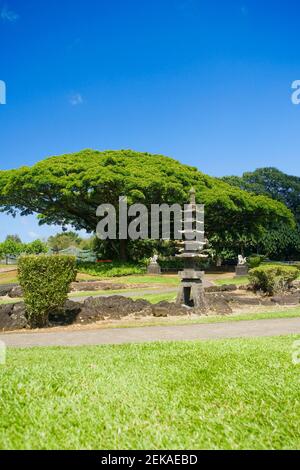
x=208 y=83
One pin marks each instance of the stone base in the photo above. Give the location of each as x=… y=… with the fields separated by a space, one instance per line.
x=241 y=270
x=192 y=295
x=153 y=269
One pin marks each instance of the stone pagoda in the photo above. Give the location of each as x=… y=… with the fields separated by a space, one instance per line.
x=191 y=290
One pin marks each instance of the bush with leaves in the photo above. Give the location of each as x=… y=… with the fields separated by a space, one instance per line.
x=254 y=261
x=273 y=278
x=36 y=247
x=45 y=281
x=112 y=269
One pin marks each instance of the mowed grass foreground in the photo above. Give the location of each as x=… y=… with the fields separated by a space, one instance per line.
x=233 y=394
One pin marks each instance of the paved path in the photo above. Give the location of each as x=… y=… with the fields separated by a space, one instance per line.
x=241 y=329
x=8 y=269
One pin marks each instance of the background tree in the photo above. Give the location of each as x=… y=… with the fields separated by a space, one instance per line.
x=36 y=247
x=14 y=238
x=68 y=189
x=273 y=183
x=64 y=240
x=281 y=242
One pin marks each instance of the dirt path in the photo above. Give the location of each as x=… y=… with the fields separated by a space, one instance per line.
x=242 y=329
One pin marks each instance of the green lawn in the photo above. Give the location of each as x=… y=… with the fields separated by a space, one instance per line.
x=96 y=293
x=163 y=279
x=233 y=394
x=8 y=277
x=239 y=281
x=155 y=298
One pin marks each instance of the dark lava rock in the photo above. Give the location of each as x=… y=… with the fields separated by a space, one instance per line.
x=224 y=288
x=289 y=299
x=266 y=301
x=218 y=304
x=245 y=287
x=95 y=285
x=165 y=309
x=16 y=292
x=66 y=315
x=245 y=300
x=13 y=317
x=114 y=307
x=6 y=288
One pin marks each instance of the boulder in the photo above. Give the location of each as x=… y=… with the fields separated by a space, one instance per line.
x=245 y=287
x=245 y=300
x=6 y=288
x=165 y=309
x=16 y=292
x=218 y=304
x=288 y=299
x=224 y=288
x=13 y=317
x=66 y=315
x=113 y=307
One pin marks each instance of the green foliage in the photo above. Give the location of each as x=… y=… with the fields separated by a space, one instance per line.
x=282 y=243
x=254 y=261
x=84 y=180
x=113 y=269
x=273 y=278
x=36 y=247
x=271 y=182
x=64 y=240
x=13 y=247
x=45 y=281
x=15 y=238
x=173 y=263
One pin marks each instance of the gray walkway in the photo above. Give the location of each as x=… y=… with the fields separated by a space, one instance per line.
x=241 y=329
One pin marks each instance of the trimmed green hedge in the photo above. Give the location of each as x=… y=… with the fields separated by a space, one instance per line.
x=45 y=281
x=273 y=278
x=177 y=264
x=113 y=269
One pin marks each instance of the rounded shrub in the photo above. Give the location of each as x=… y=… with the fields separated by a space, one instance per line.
x=273 y=278
x=45 y=281
x=255 y=260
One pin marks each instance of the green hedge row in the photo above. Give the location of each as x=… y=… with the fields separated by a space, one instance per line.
x=113 y=269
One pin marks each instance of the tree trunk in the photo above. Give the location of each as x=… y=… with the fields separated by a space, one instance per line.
x=123 y=250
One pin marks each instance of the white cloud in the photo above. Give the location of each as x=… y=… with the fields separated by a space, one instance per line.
x=75 y=99
x=8 y=16
x=33 y=235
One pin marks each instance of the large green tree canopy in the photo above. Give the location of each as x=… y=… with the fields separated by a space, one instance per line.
x=67 y=189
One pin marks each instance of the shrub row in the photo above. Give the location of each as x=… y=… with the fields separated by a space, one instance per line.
x=113 y=269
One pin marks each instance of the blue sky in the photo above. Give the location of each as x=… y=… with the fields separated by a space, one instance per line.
x=208 y=83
